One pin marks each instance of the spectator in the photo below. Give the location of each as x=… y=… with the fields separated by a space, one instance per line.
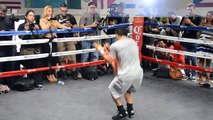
x=116 y=16
x=6 y=51
x=174 y=19
x=163 y=55
x=162 y=70
x=69 y=21
x=164 y=21
x=149 y=41
x=29 y=25
x=89 y=19
x=191 y=19
x=47 y=23
x=207 y=49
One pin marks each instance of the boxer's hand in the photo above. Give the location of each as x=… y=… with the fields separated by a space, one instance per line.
x=97 y=46
x=107 y=47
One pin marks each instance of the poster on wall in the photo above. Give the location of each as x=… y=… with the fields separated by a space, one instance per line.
x=203 y=3
x=42 y=3
x=81 y=4
x=74 y=4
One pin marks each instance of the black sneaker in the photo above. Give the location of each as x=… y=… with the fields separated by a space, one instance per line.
x=120 y=116
x=39 y=86
x=69 y=72
x=64 y=75
x=131 y=113
x=206 y=85
x=74 y=75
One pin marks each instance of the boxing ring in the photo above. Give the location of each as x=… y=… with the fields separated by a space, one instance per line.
x=137 y=34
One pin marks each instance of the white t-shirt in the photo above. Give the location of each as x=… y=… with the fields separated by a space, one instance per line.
x=126 y=52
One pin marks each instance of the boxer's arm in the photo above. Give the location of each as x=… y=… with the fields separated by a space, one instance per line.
x=111 y=61
x=107 y=56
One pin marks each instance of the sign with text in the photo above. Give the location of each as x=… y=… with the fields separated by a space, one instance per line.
x=137 y=32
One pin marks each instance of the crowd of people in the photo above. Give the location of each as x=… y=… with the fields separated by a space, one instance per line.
x=48 y=21
x=122 y=55
x=90 y=19
x=190 y=19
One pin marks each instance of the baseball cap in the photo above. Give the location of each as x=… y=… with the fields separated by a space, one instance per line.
x=91 y=3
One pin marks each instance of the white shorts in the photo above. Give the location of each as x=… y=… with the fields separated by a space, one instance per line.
x=119 y=87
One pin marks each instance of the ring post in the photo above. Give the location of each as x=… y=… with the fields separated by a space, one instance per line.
x=137 y=32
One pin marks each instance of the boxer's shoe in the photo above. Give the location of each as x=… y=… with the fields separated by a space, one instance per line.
x=121 y=115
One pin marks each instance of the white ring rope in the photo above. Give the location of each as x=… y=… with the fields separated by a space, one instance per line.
x=69 y=39
x=179 y=39
x=200 y=54
x=23 y=57
x=86 y=38
x=100 y=37
x=44 y=55
x=57 y=54
x=24 y=42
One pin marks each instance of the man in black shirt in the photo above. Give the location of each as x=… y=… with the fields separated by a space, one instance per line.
x=70 y=21
x=5 y=51
x=191 y=19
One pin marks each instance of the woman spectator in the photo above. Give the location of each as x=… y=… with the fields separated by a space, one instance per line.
x=47 y=23
x=206 y=49
x=29 y=25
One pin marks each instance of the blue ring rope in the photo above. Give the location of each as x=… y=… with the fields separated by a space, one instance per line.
x=11 y=33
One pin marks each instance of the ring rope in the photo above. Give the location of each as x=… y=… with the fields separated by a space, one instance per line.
x=11 y=33
x=195 y=28
x=28 y=71
x=24 y=42
x=44 y=55
x=22 y=72
x=74 y=30
x=180 y=52
x=184 y=66
x=180 y=39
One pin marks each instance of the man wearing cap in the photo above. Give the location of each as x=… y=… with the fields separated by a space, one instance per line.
x=69 y=21
x=89 y=19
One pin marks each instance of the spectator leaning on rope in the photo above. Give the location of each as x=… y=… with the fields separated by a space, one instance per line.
x=89 y=19
x=29 y=25
x=68 y=20
x=47 y=23
x=191 y=19
x=149 y=41
x=6 y=24
x=204 y=48
x=174 y=19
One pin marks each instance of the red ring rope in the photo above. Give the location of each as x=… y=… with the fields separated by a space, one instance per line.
x=137 y=35
x=177 y=64
x=28 y=71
